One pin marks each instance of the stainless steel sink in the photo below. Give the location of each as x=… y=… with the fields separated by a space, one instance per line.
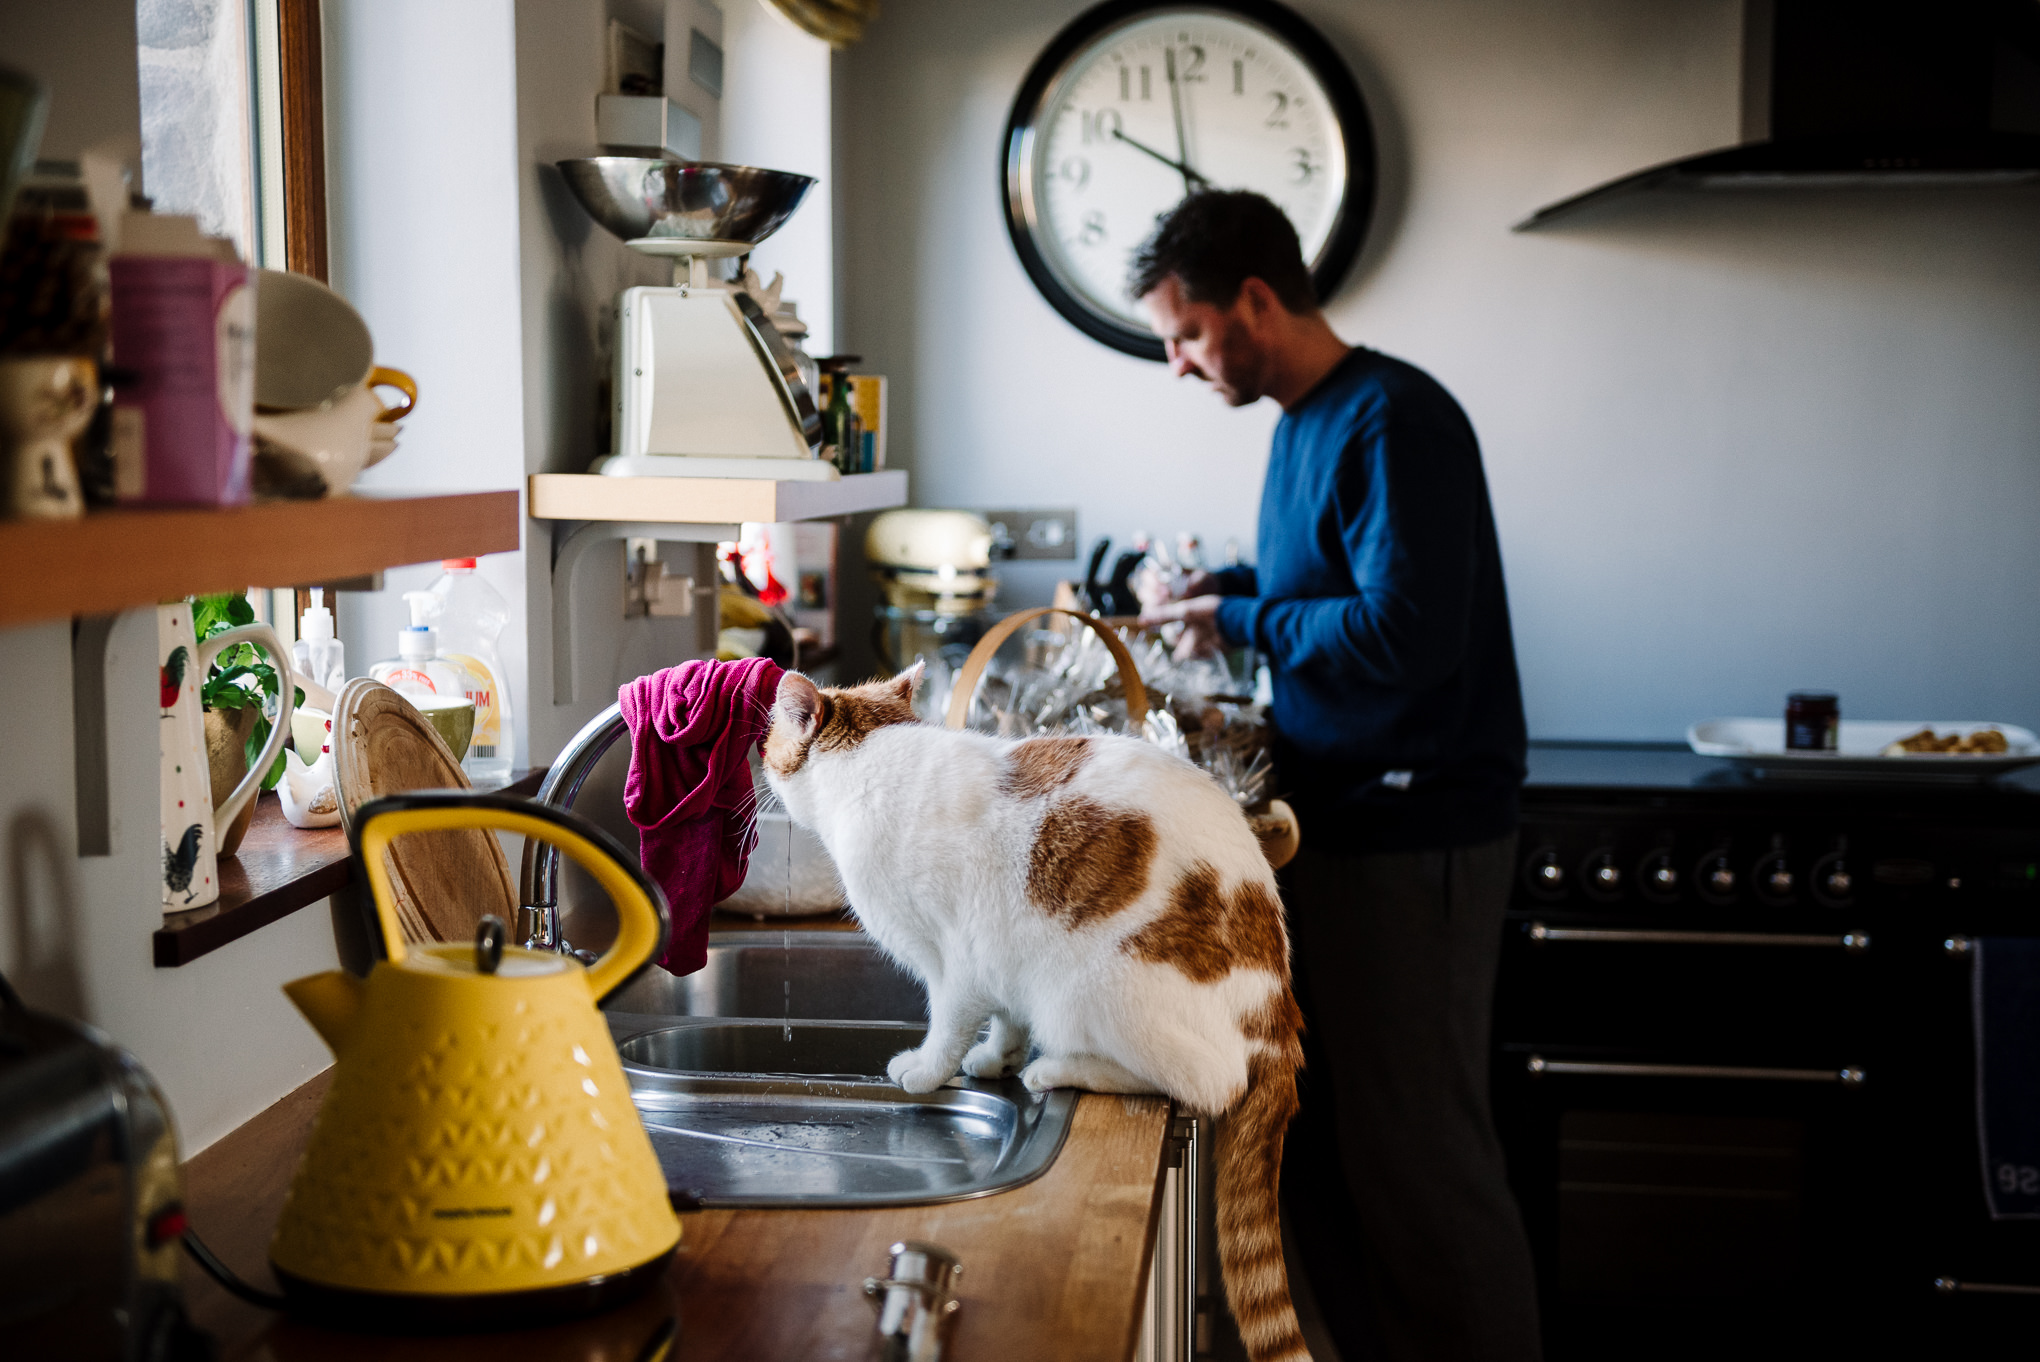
x=836 y=976
x=761 y=1080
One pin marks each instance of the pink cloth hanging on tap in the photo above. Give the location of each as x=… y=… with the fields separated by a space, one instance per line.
x=688 y=793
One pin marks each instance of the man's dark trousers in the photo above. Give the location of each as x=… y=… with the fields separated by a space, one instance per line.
x=1394 y=1186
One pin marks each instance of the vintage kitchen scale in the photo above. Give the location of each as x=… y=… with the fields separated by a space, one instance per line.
x=707 y=385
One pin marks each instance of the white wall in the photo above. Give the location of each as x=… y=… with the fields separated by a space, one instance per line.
x=1737 y=443
x=776 y=113
x=422 y=221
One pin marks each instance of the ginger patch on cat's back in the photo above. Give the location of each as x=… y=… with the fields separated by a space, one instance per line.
x=1088 y=861
x=1207 y=929
x=1040 y=766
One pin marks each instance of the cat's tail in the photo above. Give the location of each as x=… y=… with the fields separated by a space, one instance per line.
x=1248 y=1164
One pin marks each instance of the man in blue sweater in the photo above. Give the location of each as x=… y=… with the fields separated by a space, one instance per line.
x=1378 y=603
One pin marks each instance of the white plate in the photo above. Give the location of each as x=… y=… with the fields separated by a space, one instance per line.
x=1761 y=742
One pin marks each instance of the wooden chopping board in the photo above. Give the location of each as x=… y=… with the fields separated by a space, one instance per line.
x=445 y=881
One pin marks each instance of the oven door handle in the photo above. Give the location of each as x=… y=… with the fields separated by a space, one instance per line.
x=1849 y=1076
x=1855 y=943
x=1950 y=1286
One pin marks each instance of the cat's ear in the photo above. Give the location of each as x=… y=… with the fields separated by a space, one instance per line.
x=907 y=682
x=798 y=704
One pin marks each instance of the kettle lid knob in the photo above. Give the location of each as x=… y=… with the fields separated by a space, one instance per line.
x=490 y=934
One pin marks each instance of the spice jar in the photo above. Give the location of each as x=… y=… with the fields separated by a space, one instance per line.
x=1813 y=721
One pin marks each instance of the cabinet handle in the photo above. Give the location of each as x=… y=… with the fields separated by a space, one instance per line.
x=1855 y=943
x=1949 y=1286
x=1848 y=1077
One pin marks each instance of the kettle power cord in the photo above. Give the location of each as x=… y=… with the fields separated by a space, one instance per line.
x=229 y=1281
x=657 y=1348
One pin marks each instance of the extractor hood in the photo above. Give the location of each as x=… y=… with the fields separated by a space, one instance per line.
x=1841 y=93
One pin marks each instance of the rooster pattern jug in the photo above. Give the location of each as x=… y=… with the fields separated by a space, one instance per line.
x=191 y=873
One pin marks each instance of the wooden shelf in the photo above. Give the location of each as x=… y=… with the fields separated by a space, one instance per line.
x=115 y=560
x=277 y=870
x=710 y=501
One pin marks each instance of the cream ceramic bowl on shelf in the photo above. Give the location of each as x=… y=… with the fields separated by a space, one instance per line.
x=340 y=438
x=453 y=717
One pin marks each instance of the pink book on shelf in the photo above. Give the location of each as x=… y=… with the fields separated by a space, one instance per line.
x=184 y=331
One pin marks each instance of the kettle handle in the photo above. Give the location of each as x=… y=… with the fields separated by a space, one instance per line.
x=641 y=916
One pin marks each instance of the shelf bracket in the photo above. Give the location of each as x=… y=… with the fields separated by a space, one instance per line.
x=90 y=635
x=567 y=554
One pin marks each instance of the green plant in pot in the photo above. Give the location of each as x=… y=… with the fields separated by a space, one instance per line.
x=239 y=692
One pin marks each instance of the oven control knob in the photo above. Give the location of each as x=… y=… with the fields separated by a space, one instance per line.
x=1717 y=877
x=1774 y=881
x=1659 y=877
x=1544 y=874
x=1833 y=883
x=1604 y=878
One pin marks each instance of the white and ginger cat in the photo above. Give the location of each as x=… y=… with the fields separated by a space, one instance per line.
x=1097 y=900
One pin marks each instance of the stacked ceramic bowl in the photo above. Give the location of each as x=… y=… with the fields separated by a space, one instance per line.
x=319 y=416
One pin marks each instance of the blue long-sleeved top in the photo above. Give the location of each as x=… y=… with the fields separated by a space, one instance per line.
x=1378 y=600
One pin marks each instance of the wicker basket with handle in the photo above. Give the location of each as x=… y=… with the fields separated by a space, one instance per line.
x=1276 y=826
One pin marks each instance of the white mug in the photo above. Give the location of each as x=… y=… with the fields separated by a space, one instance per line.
x=191 y=875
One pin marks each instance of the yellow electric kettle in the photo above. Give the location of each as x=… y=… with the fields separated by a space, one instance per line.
x=477 y=1161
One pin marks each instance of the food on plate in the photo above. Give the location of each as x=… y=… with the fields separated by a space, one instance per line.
x=1982 y=741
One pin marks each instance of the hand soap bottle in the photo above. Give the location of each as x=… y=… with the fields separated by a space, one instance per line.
x=418 y=670
x=471 y=614
x=317 y=653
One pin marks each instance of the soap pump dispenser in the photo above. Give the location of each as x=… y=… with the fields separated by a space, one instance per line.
x=317 y=653
x=418 y=670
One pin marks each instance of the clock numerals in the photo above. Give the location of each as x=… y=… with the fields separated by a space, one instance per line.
x=1101 y=126
x=1107 y=137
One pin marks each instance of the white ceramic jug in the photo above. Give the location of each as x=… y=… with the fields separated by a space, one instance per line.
x=191 y=875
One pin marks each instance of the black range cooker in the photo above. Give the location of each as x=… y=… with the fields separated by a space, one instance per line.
x=1734 y=1069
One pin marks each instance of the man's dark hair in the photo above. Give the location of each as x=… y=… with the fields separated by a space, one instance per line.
x=1217 y=239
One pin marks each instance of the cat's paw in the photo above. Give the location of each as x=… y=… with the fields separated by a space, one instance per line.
x=987 y=1060
x=1045 y=1073
x=912 y=1071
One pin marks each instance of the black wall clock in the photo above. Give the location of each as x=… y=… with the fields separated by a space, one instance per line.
x=1137 y=103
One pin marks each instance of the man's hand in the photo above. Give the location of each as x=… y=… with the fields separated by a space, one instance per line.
x=1199 y=618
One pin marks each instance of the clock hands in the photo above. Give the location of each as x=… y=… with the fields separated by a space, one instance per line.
x=1176 y=106
x=1191 y=179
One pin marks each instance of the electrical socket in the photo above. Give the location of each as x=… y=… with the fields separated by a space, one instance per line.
x=1033 y=534
x=647 y=590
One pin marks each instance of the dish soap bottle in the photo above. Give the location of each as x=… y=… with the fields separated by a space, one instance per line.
x=317 y=653
x=418 y=671
x=471 y=615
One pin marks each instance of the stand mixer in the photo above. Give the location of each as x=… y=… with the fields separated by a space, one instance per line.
x=706 y=386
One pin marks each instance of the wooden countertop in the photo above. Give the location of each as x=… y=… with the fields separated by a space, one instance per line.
x=1054 y=1269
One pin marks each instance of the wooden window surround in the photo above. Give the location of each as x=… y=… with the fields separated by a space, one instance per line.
x=304 y=136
